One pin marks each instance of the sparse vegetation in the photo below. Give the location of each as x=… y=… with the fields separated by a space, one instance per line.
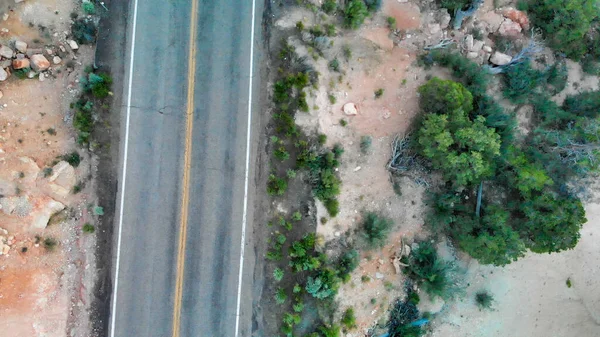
x=391 y=22
x=427 y=269
x=365 y=144
x=375 y=229
x=378 y=93
x=349 y=319
x=88 y=228
x=484 y=300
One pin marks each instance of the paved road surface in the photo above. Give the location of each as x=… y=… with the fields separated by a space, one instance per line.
x=155 y=184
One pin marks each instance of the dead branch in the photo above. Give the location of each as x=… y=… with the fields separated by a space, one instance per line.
x=442 y=44
x=460 y=15
x=534 y=47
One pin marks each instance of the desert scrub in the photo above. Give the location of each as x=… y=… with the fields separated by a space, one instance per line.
x=484 y=300
x=379 y=92
x=276 y=186
x=391 y=22
x=375 y=229
x=427 y=269
x=365 y=144
x=88 y=228
x=349 y=319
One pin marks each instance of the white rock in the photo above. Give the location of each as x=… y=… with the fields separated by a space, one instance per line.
x=379 y=276
x=500 y=59
x=350 y=109
x=444 y=18
x=472 y=55
x=21 y=46
x=6 y=52
x=1 y=94
x=39 y=62
x=42 y=216
x=356 y=169
x=56 y=60
x=73 y=45
x=5 y=16
x=3 y=74
x=469 y=42
x=487 y=49
x=434 y=28
x=41 y=77
x=477 y=45
x=63 y=174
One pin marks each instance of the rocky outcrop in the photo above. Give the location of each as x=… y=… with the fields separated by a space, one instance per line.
x=44 y=211
x=6 y=52
x=518 y=17
x=509 y=28
x=21 y=46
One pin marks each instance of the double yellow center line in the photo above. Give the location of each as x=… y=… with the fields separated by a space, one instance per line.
x=186 y=170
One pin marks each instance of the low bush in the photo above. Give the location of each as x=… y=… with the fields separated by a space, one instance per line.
x=84 y=30
x=329 y=6
x=349 y=319
x=88 y=228
x=375 y=229
x=355 y=13
x=276 y=186
x=427 y=269
x=584 y=104
x=484 y=300
x=365 y=144
x=73 y=158
x=520 y=82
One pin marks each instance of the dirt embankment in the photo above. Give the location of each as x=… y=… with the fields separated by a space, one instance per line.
x=49 y=210
x=532 y=297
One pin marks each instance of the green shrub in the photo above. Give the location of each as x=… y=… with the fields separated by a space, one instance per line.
x=278 y=274
x=22 y=73
x=88 y=228
x=281 y=153
x=484 y=300
x=333 y=207
x=564 y=23
x=590 y=66
x=463 y=149
x=376 y=229
x=50 y=244
x=89 y=8
x=334 y=65
x=365 y=144
x=557 y=76
x=373 y=5
x=84 y=30
x=280 y=296
x=520 y=81
x=349 y=319
x=99 y=84
x=428 y=269
x=348 y=262
x=329 y=6
x=276 y=186
x=291 y=174
x=585 y=104
x=454 y=5
x=402 y=315
x=323 y=285
x=73 y=158
x=322 y=139
x=391 y=22
x=355 y=14
x=378 y=93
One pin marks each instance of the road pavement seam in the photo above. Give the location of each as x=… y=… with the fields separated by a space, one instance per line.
x=248 y=137
x=125 y=154
x=186 y=171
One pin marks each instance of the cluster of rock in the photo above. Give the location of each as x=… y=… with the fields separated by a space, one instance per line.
x=5 y=241
x=36 y=209
x=36 y=61
x=508 y=23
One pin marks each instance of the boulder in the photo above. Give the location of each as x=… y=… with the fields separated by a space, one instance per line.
x=509 y=28
x=472 y=54
x=3 y=74
x=444 y=18
x=56 y=60
x=6 y=52
x=487 y=49
x=20 y=63
x=469 y=42
x=21 y=46
x=434 y=28
x=500 y=59
x=477 y=45
x=73 y=45
x=518 y=17
x=493 y=20
x=42 y=215
x=5 y=63
x=350 y=109
x=63 y=175
x=39 y=62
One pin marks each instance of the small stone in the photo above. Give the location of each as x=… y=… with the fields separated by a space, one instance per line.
x=31 y=74
x=41 y=77
x=5 y=16
x=356 y=169
x=73 y=45
x=477 y=45
x=6 y=52
x=3 y=74
x=21 y=46
x=49 y=51
x=434 y=28
x=62 y=48
x=487 y=49
x=56 y=60
x=379 y=276
x=337 y=234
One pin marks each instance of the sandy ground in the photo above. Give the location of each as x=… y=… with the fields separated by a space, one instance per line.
x=43 y=292
x=531 y=295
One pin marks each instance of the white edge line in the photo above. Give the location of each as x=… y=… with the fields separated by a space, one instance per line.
x=113 y=314
x=245 y=211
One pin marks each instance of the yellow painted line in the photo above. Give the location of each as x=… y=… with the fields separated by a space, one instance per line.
x=186 y=171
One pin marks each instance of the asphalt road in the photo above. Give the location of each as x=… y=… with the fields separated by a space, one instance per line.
x=155 y=184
